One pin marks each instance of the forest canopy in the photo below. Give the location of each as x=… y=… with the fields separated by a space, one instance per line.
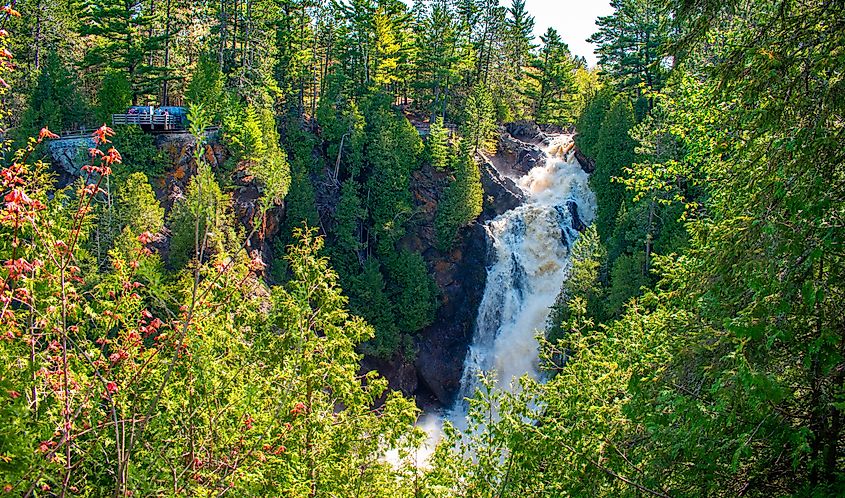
x=189 y=315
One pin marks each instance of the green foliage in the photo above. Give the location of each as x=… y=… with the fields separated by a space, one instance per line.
x=114 y=96
x=55 y=102
x=137 y=207
x=200 y=222
x=136 y=212
x=462 y=200
x=438 y=144
x=393 y=150
x=206 y=90
x=589 y=124
x=122 y=36
x=139 y=152
x=368 y=299
x=251 y=136
x=330 y=406
x=272 y=170
x=300 y=204
x=349 y=214
x=412 y=290
x=554 y=81
x=581 y=292
x=479 y=126
x=342 y=122
x=614 y=151
x=632 y=42
x=627 y=276
x=242 y=133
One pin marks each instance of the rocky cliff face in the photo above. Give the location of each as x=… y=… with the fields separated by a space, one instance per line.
x=246 y=192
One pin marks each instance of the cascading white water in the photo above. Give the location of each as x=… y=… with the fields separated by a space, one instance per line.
x=529 y=261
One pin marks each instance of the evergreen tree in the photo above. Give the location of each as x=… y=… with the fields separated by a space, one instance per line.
x=632 y=43
x=300 y=204
x=479 y=126
x=442 y=54
x=553 y=73
x=55 y=101
x=462 y=200
x=412 y=291
x=114 y=95
x=368 y=299
x=205 y=89
x=614 y=151
x=349 y=214
x=124 y=40
x=438 y=144
x=520 y=36
x=589 y=123
x=200 y=222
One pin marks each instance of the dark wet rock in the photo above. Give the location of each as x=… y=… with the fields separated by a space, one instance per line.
x=401 y=374
x=501 y=194
x=587 y=164
x=577 y=223
x=442 y=346
x=517 y=157
x=526 y=131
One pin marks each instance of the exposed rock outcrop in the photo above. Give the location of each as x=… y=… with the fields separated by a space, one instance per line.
x=501 y=194
x=577 y=223
x=68 y=155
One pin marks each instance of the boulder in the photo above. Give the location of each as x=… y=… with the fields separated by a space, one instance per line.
x=525 y=131
x=577 y=223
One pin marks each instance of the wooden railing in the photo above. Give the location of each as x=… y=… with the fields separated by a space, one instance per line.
x=165 y=121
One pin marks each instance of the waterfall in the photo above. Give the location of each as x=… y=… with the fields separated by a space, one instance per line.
x=529 y=260
x=528 y=263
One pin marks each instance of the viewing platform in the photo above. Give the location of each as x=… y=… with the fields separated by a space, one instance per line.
x=153 y=119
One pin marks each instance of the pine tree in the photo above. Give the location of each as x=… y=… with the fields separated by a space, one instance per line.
x=479 y=126
x=206 y=90
x=441 y=55
x=124 y=39
x=114 y=95
x=55 y=101
x=553 y=73
x=438 y=144
x=520 y=36
x=462 y=200
x=632 y=43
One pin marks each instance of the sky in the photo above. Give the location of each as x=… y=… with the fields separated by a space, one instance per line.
x=575 y=20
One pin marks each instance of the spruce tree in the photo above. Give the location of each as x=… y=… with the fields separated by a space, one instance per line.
x=614 y=151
